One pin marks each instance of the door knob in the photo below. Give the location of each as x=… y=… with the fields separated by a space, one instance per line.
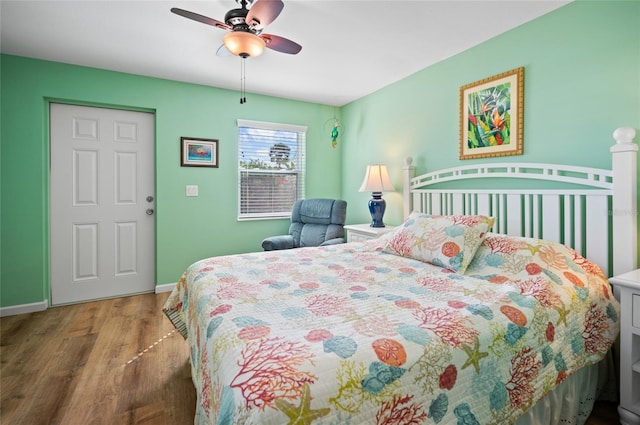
x=150 y=211
x=149 y=198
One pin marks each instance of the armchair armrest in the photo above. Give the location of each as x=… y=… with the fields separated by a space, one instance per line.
x=334 y=241
x=274 y=243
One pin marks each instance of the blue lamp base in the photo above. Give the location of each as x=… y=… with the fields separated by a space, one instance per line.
x=377 y=205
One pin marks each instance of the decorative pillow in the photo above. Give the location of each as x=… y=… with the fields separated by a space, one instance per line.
x=448 y=241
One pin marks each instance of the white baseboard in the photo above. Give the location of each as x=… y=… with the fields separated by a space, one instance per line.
x=12 y=310
x=167 y=287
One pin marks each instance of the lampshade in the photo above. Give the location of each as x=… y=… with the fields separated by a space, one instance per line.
x=376 y=179
x=242 y=43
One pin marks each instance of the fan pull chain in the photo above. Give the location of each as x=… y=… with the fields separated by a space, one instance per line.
x=243 y=97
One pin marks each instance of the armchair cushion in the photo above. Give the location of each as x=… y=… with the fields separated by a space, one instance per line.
x=274 y=243
x=319 y=211
x=333 y=241
x=314 y=222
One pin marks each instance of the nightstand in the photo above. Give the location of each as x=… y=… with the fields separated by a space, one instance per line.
x=629 y=286
x=363 y=232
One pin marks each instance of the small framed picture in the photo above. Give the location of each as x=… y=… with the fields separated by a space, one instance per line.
x=492 y=116
x=196 y=152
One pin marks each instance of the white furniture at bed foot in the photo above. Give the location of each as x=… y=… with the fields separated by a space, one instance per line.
x=363 y=232
x=629 y=286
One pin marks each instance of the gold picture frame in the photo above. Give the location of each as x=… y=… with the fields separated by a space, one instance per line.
x=492 y=116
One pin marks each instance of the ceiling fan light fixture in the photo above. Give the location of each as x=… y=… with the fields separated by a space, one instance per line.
x=244 y=44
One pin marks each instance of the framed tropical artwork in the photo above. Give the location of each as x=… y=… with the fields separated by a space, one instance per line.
x=196 y=152
x=492 y=115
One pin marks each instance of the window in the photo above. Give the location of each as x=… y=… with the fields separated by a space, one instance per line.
x=271 y=163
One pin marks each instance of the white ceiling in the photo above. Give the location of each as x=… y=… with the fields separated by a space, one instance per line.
x=349 y=48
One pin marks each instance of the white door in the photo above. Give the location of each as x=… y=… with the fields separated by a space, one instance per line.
x=101 y=203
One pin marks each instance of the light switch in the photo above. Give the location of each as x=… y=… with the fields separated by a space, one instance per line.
x=192 y=190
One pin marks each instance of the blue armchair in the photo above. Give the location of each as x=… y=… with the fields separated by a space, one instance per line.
x=314 y=222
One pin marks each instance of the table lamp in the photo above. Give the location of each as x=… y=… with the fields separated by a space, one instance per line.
x=376 y=180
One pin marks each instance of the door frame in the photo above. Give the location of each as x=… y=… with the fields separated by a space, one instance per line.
x=47 y=182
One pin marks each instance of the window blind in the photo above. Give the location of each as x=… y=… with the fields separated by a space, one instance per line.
x=271 y=166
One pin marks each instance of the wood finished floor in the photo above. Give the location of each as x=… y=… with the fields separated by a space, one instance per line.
x=70 y=365
x=81 y=364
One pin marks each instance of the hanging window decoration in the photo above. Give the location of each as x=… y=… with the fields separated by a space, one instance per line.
x=334 y=129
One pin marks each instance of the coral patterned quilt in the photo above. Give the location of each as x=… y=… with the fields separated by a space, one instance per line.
x=351 y=334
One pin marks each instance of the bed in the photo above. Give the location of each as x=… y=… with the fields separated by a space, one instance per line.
x=481 y=308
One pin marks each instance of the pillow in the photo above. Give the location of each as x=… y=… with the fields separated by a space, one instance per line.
x=448 y=241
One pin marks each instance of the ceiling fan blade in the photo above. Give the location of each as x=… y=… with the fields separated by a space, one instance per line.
x=200 y=18
x=281 y=44
x=263 y=12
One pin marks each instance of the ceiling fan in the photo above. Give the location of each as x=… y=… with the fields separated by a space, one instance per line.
x=245 y=25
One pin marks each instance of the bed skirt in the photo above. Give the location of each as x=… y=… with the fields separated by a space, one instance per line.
x=572 y=401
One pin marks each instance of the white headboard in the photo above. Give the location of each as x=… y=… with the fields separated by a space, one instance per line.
x=596 y=214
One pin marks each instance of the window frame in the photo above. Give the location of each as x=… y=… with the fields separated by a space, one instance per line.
x=300 y=166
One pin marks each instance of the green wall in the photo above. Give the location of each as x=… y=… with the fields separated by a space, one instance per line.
x=582 y=81
x=188 y=229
